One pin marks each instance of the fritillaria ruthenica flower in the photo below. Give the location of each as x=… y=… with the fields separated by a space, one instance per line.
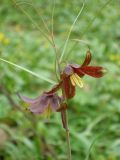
x=46 y=103
x=70 y=77
x=73 y=73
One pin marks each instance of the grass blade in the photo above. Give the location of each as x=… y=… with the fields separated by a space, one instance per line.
x=66 y=42
x=92 y=144
x=89 y=25
x=82 y=41
x=27 y=70
x=31 y=19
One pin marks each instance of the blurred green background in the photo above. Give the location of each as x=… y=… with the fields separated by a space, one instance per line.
x=94 y=113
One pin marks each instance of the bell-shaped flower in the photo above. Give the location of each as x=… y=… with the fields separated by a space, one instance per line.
x=44 y=104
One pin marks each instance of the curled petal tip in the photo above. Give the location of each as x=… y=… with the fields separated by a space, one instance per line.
x=87 y=59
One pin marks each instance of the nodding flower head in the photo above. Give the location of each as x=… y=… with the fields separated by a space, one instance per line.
x=44 y=104
x=73 y=73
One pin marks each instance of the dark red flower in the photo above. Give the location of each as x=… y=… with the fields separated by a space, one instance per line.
x=73 y=73
x=46 y=103
x=71 y=76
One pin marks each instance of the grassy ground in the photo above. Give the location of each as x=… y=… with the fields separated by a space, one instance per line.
x=94 y=113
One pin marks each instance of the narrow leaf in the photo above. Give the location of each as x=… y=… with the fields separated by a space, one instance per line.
x=66 y=42
x=81 y=41
x=27 y=70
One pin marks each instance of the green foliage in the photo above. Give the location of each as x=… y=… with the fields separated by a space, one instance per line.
x=93 y=113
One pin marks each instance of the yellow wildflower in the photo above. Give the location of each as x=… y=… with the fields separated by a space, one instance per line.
x=2 y=36
x=6 y=41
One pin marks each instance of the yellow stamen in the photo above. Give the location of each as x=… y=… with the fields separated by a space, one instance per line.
x=47 y=112
x=80 y=80
x=72 y=80
x=76 y=80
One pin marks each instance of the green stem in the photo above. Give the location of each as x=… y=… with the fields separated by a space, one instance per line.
x=68 y=136
x=64 y=112
x=66 y=127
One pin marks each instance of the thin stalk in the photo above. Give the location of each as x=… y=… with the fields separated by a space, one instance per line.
x=51 y=39
x=64 y=112
x=57 y=65
x=47 y=29
x=98 y=12
x=66 y=127
x=88 y=27
x=34 y=23
x=68 y=143
x=64 y=117
x=71 y=28
x=29 y=71
x=45 y=25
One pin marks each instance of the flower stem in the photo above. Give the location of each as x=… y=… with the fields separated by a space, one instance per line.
x=66 y=127
x=68 y=137
x=64 y=117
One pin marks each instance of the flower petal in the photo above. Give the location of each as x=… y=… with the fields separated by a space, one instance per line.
x=93 y=71
x=40 y=106
x=37 y=109
x=28 y=100
x=55 y=103
x=87 y=59
x=68 y=88
x=79 y=72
